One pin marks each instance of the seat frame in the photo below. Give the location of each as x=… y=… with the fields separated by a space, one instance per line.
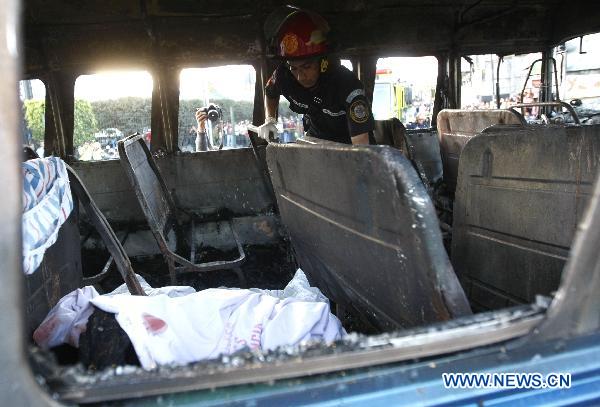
x=113 y=245
x=175 y=219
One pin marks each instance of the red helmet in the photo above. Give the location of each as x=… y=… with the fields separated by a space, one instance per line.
x=302 y=34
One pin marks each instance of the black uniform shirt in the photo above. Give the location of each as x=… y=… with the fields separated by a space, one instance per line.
x=335 y=109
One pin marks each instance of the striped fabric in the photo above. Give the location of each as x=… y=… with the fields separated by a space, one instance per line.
x=47 y=203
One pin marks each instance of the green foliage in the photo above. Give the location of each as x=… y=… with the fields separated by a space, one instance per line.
x=34 y=118
x=85 y=122
x=128 y=114
x=132 y=114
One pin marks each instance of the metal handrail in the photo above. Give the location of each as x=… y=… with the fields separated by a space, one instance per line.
x=529 y=75
x=555 y=103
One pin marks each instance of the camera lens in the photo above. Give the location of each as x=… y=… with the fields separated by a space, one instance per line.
x=213 y=114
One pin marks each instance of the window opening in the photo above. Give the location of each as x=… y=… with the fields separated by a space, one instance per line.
x=108 y=107
x=478 y=87
x=230 y=89
x=347 y=63
x=405 y=89
x=579 y=70
x=32 y=94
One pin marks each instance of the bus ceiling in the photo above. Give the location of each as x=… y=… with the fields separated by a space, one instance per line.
x=167 y=32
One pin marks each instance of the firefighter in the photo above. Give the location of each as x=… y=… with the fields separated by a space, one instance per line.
x=328 y=95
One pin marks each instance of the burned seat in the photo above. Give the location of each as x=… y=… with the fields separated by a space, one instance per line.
x=420 y=146
x=391 y=132
x=108 y=236
x=457 y=127
x=59 y=271
x=365 y=232
x=521 y=193
x=424 y=153
x=173 y=228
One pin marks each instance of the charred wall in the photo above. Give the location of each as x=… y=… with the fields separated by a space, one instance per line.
x=93 y=34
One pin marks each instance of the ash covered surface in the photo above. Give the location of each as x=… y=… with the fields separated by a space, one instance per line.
x=266 y=266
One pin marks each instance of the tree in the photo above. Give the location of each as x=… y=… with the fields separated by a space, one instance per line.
x=128 y=114
x=85 y=122
x=34 y=116
x=84 y=127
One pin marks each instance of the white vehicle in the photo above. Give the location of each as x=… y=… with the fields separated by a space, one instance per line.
x=105 y=136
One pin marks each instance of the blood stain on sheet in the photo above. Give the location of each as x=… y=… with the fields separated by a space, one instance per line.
x=154 y=325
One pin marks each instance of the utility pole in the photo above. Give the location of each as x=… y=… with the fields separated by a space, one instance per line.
x=27 y=91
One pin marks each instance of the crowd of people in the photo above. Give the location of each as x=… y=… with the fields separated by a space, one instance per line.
x=528 y=97
x=290 y=128
x=235 y=135
x=94 y=151
x=419 y=115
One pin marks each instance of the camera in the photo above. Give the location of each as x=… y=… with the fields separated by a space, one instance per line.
x=213 y=112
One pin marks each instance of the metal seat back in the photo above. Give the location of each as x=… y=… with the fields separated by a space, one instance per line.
x=521 y=193
x=365 y=232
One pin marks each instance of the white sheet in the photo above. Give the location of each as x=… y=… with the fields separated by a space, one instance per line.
x=67 y=319
x=220 y=321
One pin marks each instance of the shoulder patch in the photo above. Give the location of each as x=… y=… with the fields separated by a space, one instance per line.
x=359 y=111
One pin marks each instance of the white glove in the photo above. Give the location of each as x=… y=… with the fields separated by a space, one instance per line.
x=268 y=131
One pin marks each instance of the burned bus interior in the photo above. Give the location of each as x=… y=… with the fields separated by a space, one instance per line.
x=467 y=232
